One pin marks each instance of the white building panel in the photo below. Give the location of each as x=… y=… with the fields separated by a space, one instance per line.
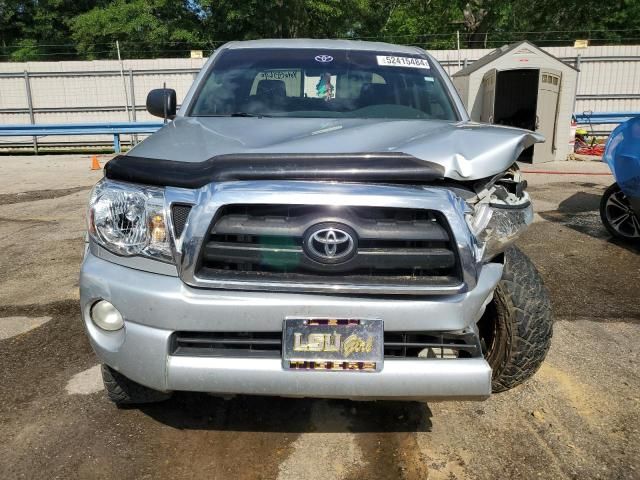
x=610 y=73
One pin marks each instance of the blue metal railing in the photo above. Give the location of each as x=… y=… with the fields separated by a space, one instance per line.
x=112 y=128
x=602 y=118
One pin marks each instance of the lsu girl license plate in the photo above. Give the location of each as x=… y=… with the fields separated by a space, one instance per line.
x=333 y=344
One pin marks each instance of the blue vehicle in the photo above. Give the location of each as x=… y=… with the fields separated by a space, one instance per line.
x=620 y=204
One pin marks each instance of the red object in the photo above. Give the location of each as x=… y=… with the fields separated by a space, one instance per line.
x=597 y=150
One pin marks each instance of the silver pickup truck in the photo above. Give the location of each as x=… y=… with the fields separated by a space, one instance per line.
x=319 y=219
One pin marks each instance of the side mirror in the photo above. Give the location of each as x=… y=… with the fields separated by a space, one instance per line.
x=161 y=102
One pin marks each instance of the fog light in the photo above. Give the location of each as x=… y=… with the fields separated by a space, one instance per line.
x=106 y=316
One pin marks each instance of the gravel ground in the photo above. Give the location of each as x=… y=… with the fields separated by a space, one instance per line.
x=579 y=417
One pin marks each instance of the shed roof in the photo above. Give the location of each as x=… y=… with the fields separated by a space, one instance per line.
x=500 y=52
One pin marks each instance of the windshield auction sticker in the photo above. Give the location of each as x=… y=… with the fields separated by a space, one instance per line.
x=410 y=62
x=278 y=74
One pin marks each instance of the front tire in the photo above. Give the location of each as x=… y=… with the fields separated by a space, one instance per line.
x=617 y=215
x=516 y=327
x=123 y=391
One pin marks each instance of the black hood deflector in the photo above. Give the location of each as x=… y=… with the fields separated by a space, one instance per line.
x=352 y=167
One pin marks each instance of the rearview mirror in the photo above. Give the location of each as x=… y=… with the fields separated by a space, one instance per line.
x=161 y=102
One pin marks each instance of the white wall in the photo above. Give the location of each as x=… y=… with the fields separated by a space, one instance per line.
x=61 y=95
x=62 y=92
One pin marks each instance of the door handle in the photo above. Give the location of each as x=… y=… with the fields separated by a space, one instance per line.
x=537 y=122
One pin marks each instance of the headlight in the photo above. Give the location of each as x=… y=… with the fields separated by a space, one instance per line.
x=498 y=226
x=129 y=220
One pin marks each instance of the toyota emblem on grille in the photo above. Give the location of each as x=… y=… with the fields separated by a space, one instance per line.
x=330 y=243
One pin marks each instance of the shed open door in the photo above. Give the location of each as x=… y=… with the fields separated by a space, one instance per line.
x=547 y=113
x=488 y=96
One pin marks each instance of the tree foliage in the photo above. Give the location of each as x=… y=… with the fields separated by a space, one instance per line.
x=146 y=28
x=250 y=19
x=65 y=29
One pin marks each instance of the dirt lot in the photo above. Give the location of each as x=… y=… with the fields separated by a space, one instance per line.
x=578 y=418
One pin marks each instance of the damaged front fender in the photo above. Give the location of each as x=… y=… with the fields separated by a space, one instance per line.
x=471 y=151
x=499 y=213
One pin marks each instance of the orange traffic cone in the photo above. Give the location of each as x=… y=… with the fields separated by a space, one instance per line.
x=95 y=164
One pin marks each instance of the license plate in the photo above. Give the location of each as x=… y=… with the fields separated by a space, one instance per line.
x=328 y=344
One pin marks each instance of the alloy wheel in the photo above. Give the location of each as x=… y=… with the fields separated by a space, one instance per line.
x=621 y=216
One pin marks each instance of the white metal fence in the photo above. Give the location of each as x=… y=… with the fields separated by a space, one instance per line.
x=97 y=91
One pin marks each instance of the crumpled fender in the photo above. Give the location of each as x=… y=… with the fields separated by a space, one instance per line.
x=473 y=150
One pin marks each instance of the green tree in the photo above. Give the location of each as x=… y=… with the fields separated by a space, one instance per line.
x=548 y=22
x=145 y=28
x=25 y=50
x=11 y=22
x=65 y=29
x=428 y=24
x=232 y=20
x=39 y=29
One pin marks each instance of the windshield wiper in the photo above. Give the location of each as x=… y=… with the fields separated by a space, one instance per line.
x=245 y=114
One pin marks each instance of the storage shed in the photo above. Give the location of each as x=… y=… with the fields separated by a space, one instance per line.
x=522 y=86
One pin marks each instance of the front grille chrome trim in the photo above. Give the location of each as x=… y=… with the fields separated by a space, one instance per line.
x=331 y=288
x=210 y=198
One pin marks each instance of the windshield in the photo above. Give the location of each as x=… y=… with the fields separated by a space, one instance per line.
x=323 y=83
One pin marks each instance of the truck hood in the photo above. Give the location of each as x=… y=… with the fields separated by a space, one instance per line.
x=466 y=150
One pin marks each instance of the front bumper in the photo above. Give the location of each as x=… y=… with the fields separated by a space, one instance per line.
x=155 y=305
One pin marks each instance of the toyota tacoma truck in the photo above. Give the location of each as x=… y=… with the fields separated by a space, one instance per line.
x=319 y=218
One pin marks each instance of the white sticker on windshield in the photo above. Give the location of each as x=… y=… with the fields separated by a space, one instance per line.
x=278 y=74
x=410 y=62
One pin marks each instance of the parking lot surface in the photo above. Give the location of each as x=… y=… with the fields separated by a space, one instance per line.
x=579 y=417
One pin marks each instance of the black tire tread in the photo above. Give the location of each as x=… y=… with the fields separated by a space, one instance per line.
x=123 y=391
x=526 y=306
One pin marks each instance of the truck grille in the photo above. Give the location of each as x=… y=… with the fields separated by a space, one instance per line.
x=269 y=243
x=269 y=344
x=227 y=344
